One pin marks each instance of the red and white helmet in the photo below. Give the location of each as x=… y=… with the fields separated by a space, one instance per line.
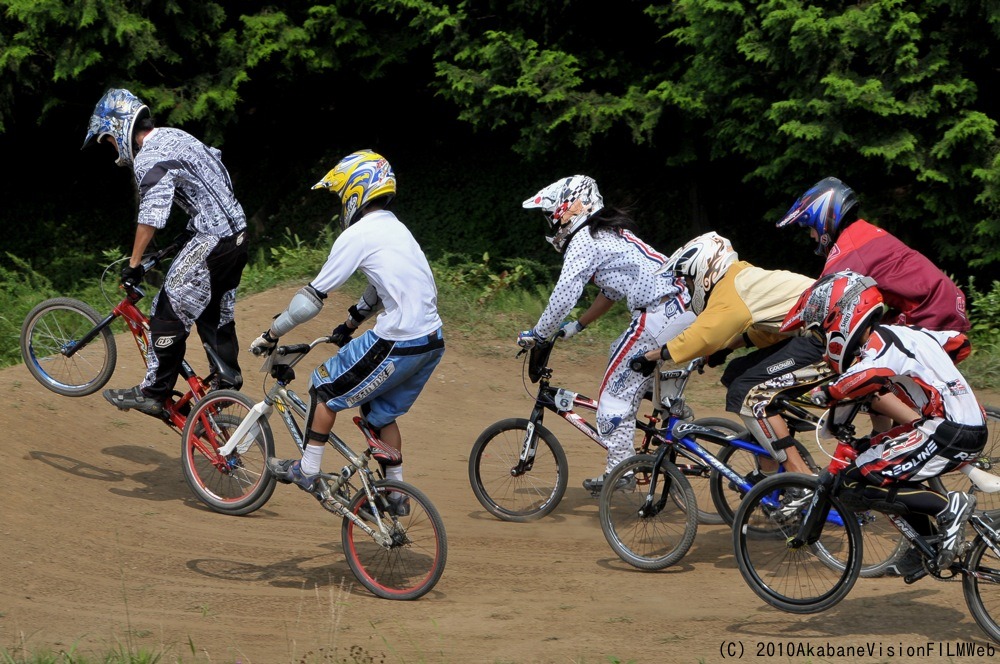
x=705 y=259
x=568 y=204
x=843 y=306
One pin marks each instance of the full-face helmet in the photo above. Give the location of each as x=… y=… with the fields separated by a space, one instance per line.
x=116 y=115
x=358 y=179
x=842 y=306
x=705 y=260
x=568 y=204
x=823 y=208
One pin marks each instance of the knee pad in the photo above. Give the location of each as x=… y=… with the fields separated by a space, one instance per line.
x=784 y=443
x=606 y=424
x=763 y=434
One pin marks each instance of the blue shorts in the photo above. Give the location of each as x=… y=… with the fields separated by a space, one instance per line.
x=382 y=377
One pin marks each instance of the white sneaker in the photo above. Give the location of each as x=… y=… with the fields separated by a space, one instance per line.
x=950 y=522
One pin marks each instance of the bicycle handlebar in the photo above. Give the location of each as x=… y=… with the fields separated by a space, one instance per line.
x=151 y=261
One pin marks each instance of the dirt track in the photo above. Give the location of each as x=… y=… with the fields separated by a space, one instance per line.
x=104 y=547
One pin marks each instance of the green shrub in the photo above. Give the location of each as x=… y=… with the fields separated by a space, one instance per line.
x=984 y=313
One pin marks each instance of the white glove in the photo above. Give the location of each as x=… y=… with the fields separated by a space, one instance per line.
x=819 y=396
x=569 y=328
x=528 y=339
x=264 y=344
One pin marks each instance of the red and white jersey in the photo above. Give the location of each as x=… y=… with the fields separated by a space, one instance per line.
x=912 y=362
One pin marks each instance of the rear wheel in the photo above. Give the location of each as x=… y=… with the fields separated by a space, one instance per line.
x=50 y=347
x=239 y=482
x=508 y=489
x=654 y=535
x=988 y=460
x=412 y=562
x=981 y=586
x=726 y=496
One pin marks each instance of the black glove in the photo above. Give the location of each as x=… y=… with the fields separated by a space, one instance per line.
x=640 y=364
x=132 y=276
x=342 y=334
x=718 y=358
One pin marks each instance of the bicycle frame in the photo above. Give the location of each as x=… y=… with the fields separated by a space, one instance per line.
x=829 y=483
x=174 y=409
x=675 y=433
x=177 y=406
x=563 y=403
x=290 y=406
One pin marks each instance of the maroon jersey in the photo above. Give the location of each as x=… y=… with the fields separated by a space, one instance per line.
x=911 y=285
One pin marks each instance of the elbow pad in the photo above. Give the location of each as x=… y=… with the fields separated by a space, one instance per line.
x=304 y=306
x=366 y=306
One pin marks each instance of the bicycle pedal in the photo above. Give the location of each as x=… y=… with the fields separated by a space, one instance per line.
x=910 y=579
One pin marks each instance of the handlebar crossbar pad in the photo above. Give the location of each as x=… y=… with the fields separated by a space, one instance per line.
x=294 y=348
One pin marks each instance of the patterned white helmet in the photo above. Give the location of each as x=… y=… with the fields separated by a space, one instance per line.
x=116 y=115
x=568 y=204
x=705 y=259
x=358 y=179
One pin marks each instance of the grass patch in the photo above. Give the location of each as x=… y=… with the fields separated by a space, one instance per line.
x=480 y=299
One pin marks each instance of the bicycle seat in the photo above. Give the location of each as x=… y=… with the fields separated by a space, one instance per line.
x=225 y=376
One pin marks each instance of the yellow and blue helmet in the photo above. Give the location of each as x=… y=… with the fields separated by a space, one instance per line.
x=358 y=179
x=116 y=115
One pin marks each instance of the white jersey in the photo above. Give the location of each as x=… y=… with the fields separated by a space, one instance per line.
x=913 y=360
x=385 y=251
x=619 y=263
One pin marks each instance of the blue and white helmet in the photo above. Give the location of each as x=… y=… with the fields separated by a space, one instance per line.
x=823 y=208
x=577 y=195
x=116 y=115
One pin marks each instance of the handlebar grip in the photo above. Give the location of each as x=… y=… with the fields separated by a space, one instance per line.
x=642 y=365
x=153 y=260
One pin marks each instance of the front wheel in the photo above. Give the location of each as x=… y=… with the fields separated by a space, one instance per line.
x=239 y=482
x=508 y=488
x=648 y=531
x=50 y=347
x=790 y=577
x=412 y=562
x=981 y=586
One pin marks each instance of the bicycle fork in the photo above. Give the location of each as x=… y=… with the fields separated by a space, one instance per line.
x=529 y=446
x=650 y=508
x=816 y=513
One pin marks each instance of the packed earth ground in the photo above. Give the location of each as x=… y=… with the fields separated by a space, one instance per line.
x=104 y=547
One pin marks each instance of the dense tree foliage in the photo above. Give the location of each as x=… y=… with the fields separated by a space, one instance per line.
x=704 y=114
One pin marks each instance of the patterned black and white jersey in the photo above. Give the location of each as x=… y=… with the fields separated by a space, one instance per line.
x=175 y=167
